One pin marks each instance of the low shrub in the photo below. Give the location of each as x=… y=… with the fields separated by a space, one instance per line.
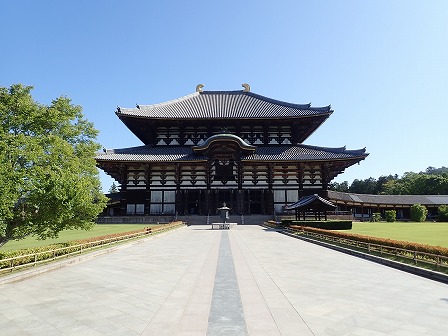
x=326 y=225
x=418 y=213
x=391 y=215
x=286 y=222
x=376 y=217
x=443 y=213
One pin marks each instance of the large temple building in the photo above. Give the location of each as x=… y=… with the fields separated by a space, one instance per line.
x=211 y=147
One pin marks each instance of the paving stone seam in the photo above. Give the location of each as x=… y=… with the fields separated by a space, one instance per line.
x=276 y=285
x=423 y=272
x=226 y=311
x=245 y=263
x=21 y=275
x=200 y=252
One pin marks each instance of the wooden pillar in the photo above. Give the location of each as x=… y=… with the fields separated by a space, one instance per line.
x=239 y=167
x=300 y=179
x=123 y=202
x=265 y=133
x=295 y=133
x=208 y=174
x=270 y=175
x=178 y=198
x=362 y=212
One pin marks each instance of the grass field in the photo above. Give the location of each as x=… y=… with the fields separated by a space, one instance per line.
x=423 y=233
x=68 y=235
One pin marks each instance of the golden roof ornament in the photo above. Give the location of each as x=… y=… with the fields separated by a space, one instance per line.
x=199 y=87
x=246 y=87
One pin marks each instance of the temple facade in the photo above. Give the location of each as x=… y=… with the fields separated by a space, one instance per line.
x=211 y=147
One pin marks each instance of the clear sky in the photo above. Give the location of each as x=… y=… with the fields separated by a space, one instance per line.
x=381 y=64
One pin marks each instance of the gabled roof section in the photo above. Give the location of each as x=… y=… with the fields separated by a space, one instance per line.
x=224 y=138
x=224 y=105
x=308 y=201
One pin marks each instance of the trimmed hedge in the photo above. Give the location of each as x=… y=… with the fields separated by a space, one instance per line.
x=286 y=222
x=326 y=225
x=438 y=250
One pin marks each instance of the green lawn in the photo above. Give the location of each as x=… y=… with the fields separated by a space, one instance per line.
x=423 y=233
x=68 y=235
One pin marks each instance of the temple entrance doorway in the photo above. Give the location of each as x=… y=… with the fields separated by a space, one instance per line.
x=193 y=200
x=228 y=196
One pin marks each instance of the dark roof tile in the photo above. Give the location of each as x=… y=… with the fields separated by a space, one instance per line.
x=223 y=104
x=262 y=153
x=388 y=199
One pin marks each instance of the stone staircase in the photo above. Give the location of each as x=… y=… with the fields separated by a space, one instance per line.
x=248 y=219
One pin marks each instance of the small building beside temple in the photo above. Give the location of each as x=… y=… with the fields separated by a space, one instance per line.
x=211 y=147
x=362 y=206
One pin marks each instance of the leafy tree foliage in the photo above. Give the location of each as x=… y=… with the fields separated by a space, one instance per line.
x=342 y=187
x=433 y=170
x=376 y=217
x=442 y=211
x=418 y=213
x=391 y=215
x=432 y=182
x=419 y=184
x=48 y=177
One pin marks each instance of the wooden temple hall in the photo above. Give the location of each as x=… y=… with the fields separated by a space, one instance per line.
x=211 y=147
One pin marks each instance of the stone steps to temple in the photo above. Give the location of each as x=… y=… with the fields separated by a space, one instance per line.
x=245 y=220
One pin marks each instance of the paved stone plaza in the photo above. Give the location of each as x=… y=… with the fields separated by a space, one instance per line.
x=247 y=281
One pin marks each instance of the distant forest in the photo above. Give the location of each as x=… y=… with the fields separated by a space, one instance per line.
x=433 y=181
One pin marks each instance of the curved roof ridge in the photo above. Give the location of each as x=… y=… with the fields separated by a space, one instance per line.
x=342 y=149
x=222 y=104
x=271 y=100
x=306 y=200
x=293 y=105
x=189 y=96
x=224 y=137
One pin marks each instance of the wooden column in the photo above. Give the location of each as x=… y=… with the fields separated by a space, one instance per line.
x=147 y=168
x=123 y=202
x=270 y=175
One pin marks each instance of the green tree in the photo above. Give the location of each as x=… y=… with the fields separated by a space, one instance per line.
x=391 y=215
x=342 y=187
x=367 y=186
x=418 y=213
x=48 y=177
x=442 y=211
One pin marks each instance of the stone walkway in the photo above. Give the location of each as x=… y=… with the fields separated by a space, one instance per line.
x=247 y=281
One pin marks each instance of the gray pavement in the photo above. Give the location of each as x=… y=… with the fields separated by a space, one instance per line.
x=184 y=283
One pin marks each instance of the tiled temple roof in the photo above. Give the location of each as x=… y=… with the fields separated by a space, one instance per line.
x=262 y=153
x=221 y=105
x=336 y=196
x=304 y=202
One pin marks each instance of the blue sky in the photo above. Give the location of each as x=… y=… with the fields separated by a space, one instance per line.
x=382 y=65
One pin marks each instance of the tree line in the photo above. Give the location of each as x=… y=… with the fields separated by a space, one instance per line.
x=433 y=181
